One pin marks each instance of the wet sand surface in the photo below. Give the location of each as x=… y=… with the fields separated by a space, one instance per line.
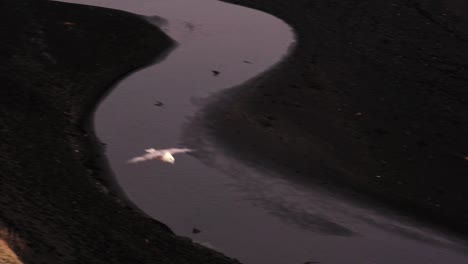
x=373 y=99
x=247 y=211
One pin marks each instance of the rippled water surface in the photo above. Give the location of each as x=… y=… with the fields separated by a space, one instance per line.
x=256 y=216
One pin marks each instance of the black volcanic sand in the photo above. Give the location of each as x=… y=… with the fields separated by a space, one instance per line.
x=56 y=61
x=374 y=99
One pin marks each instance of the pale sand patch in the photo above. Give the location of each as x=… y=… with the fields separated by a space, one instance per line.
x=7 y=256
x=8 y=241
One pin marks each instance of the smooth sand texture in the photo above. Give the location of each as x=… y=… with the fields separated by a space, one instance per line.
x=56 y=61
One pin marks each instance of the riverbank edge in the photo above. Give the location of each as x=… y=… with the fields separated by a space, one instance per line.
x=60 y=200
x=264 y=118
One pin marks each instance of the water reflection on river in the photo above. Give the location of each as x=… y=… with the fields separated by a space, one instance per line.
x=252 y=214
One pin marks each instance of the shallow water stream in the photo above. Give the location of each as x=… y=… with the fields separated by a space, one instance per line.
x=256 y=216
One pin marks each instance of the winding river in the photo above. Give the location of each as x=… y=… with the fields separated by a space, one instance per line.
x=256 y=216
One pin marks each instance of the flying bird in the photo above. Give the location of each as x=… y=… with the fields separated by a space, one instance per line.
x=164 y=155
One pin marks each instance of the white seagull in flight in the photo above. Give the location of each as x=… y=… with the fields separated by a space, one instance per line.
x=164 y=155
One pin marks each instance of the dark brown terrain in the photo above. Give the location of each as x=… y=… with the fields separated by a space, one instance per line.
x=374 y=98
x=58 y=203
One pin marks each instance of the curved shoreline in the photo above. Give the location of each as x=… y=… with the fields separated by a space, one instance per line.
x=86 y=236
x=54 y=185
x=369 y=101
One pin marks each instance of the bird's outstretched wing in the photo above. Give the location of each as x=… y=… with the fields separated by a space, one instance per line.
x=152 y=153
x=145 y=157
x=176 y=150
x=136 y=160
x=151 y=150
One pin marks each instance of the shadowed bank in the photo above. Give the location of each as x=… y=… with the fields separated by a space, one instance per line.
x=56 y=61
x=373 y=98
x=374 y=89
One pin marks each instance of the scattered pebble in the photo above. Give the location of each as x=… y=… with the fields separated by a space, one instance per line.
x=215 y=73
x=196 y=230
x=70 y=24
x=158 y=103
x=358 y=114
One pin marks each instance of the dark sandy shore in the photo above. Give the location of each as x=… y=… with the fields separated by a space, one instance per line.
x=58 y=203
x=374 y=99
x=373 y=89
